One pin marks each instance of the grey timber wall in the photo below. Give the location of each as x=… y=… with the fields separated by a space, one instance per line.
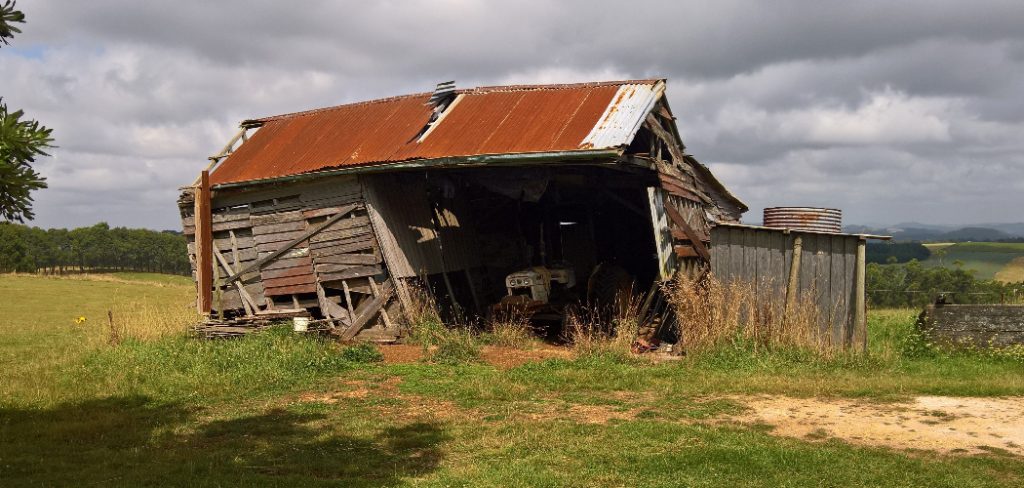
x=974 y=325
x=415 y=239
x=827 y=272
x=298 y=245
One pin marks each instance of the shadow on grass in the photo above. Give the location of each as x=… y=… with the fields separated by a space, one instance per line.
x=133 y=441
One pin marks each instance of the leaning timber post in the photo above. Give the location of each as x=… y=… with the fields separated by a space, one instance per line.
x=794 y=276
x=219 y=294
x=860 y=323
x=204 y=244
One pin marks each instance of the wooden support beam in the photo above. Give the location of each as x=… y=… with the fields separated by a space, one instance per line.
x=204 y=245
x=348 y=300
x=673 y=147
x=321 y=297
x=383 y=311
x=223 y=153
x=294 y=242
x=247 y=302
x=367 y=312
x=794 y=275
x=860 y=324
x=680 y=222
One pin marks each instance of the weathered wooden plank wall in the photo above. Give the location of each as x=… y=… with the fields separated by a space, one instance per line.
x=297 y=243
x=412 y=234
x=764 y=257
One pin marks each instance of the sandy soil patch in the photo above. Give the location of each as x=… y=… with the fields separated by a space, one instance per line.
x=943 y=424
x=508 y=357
x=401 y=353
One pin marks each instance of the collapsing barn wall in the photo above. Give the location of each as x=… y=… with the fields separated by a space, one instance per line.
x=828 y=272
x=297 y=246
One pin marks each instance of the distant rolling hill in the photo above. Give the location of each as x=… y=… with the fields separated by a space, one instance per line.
x=938 y=234
x=1002 y=261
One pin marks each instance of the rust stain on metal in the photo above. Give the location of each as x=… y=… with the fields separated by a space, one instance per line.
x=804 y=218
x=486 y=121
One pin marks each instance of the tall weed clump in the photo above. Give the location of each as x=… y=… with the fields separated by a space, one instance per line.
x=711 y=314
x=141 y=320
x=608 y=330
x=441 y=343
x=509 y=328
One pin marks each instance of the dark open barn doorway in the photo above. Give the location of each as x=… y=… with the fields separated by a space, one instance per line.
x=543 y=239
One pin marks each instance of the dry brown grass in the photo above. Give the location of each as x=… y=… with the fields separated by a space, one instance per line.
x=142 y=320
x=605 y=330
x=711 y=313
x=510 y=328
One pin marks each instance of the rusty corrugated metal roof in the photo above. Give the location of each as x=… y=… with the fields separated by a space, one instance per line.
x=518 y=119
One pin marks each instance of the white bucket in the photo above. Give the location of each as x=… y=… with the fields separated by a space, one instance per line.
x=300 y=324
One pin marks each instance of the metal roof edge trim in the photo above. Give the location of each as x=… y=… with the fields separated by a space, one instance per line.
x=801 y=231
x=485 y=159
x=560 y=86
x=469 y=91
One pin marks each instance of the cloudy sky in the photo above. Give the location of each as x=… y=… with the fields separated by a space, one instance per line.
x=892 y=111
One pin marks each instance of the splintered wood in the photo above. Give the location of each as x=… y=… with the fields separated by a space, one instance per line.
x=310 y=246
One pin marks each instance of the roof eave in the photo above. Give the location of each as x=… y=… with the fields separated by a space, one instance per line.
x=610 y=154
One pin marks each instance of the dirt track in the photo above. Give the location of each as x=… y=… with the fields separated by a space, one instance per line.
x=943 y=424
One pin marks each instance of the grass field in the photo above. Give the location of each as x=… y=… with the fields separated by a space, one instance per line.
x=159 y=409
x=1003 y=261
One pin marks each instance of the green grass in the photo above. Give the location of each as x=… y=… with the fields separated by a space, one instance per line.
x=153 y=278
x=989 y=260
x=275 y=409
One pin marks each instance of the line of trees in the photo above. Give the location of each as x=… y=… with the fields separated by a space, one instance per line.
x=916 y=285
x=99 y=248
x=896 y=252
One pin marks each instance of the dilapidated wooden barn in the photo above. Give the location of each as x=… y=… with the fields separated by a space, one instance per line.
x=471 y=193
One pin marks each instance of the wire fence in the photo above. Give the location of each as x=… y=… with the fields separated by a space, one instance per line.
x=921 y=297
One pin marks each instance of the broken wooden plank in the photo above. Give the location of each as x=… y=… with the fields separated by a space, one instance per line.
x=286 y=247
x=354 y=272
x=685 y=251
x=361 y=243
x=327 y=211
x=348 y=259
x=288 y=263
x=286 y=272
x=267 y=240
x=258 y=230
x=247 y=302
x=680 y=222
x=289 y=290
x=289 y=280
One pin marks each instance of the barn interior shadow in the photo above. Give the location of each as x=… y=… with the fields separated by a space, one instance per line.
x=134 y=441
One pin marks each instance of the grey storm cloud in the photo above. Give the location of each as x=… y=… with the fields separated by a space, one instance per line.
x=891 y=111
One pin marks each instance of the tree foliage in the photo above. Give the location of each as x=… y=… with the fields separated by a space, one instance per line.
x=915 y=285
x=97 y=248
x=21 y=141
x=8 y=16
x=903 y=252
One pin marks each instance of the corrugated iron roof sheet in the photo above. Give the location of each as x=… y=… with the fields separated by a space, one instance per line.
x=481 y=121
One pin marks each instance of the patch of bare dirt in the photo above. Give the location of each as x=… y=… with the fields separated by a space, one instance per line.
x=498 y=356
x=509 y=357
x=401 y=353
x=957 y=425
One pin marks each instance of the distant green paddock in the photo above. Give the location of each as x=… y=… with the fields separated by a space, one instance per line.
x=1003 y=261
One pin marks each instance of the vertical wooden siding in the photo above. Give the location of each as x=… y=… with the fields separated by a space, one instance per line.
x=764 y=257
